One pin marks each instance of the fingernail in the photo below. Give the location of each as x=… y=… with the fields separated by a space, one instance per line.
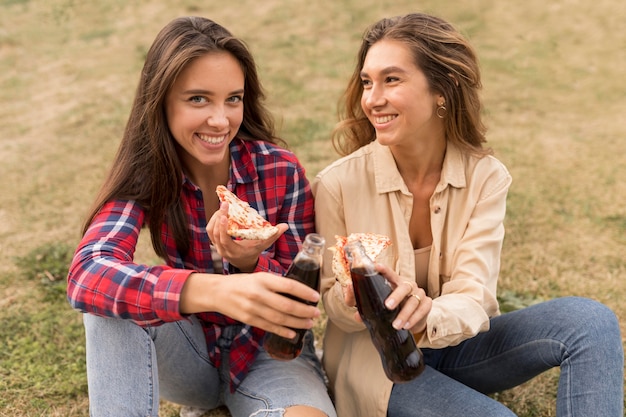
x=390 y=303
x=397 y=324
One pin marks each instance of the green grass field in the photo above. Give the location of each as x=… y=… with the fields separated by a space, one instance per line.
x=555 y=104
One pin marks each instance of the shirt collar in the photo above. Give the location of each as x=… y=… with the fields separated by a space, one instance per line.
x=388 y=178
x=386 y=174
x=242 y=165
x=453 y=172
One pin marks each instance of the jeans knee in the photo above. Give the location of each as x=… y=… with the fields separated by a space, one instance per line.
x=595 y=322
x=594 y=313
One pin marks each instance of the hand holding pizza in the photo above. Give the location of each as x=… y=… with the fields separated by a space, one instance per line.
x=242 y=253
x=237 y=219
x=374 y=245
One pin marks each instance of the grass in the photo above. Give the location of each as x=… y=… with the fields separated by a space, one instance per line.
x=554 y=103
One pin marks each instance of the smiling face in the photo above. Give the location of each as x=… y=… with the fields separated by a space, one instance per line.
x=396 y=96
x=204 y=109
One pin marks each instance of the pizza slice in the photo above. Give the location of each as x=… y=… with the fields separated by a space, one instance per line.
x=373 y=244
x=244 y=221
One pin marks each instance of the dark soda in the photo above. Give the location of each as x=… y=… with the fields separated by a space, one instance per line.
x=401 y=358
x=306 y=269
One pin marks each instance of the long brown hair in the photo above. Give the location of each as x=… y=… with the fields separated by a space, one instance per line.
x=450 y=65
x=147 y=167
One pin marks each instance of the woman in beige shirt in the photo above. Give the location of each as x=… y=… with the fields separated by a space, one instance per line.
x=415 y=169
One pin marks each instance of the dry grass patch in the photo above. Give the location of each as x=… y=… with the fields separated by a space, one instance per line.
x=554 y=98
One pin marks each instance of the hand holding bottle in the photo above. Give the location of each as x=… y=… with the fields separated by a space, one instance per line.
x=259 y=299
x=305 y=269
x=401 y=359
x=413 y=301
x=413 y=312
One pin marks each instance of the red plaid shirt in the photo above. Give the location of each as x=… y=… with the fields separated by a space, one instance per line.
x=104 y=280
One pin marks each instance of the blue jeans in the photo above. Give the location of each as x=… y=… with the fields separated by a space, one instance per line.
x=129 y=368
x=579 y=335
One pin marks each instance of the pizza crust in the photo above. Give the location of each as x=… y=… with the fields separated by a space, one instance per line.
x=373 y=243
x=244 y=222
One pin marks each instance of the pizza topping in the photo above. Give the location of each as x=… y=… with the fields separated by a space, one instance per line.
x=373 y=243
x=244 y=221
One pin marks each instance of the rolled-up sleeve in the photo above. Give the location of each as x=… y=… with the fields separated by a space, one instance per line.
x=330 y=222
x=470 y=261
x=104 y=280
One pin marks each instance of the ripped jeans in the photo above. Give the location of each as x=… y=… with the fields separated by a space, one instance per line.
x=129 y=368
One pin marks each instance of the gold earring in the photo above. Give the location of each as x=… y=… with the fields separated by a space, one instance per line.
x=441 y=111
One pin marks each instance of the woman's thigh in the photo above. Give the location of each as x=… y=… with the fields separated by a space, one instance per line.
x=272 y=385
x=433 y=394
x=580 y=335
x=129 y=367
x=186 y=374
x=527 y=342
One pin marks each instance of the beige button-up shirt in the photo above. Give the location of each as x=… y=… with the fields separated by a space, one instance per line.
x=364 y=192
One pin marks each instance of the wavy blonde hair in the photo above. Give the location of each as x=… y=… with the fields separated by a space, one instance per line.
x=451 y=67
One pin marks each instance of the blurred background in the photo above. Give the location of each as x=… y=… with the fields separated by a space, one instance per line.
x=555 y=105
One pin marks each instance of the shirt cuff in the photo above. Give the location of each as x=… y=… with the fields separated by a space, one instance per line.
x=166 y=295
x=264 y=265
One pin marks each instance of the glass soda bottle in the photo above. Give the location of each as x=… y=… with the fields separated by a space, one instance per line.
x=401 y=358
x=306 y=269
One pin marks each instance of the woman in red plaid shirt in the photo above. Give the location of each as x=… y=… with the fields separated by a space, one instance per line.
x=190 y=330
